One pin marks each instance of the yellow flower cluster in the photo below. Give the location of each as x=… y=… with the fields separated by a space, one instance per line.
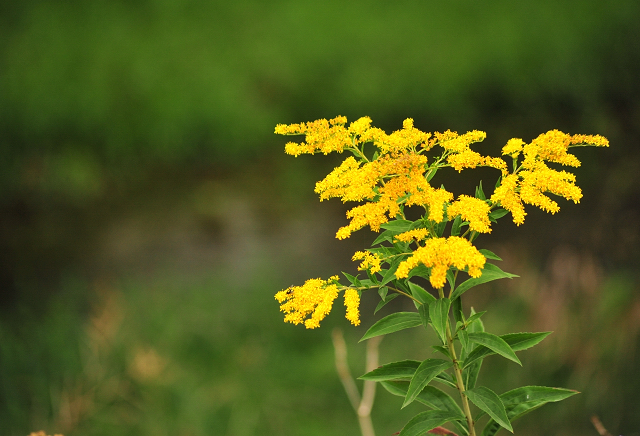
x=471 y=209
x=352 y=302
x=312 y=302
x=413 y=235
x=534 y=178
x=440 y=254
x=370 y=261
x=321 y=135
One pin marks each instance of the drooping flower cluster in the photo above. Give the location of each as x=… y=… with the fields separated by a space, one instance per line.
x=314 y=298
x=397 y=174
x=534 y=178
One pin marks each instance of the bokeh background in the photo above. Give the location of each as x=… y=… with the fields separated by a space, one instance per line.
x=148 y=213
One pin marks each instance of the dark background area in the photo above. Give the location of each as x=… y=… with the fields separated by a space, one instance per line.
x=148 y=214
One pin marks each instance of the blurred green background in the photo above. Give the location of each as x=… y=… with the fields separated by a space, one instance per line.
x=148 y=213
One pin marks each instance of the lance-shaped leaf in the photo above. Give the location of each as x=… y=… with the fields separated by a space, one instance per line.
x=386 y=236
x=387 y=298
x=489 y=273
x=393 y=323
x=390 y=274
x=526 y=397
x=439 y=315
x=489 y=402
x=494 y=343
x=403 y=369
x=517 y=342
x=421 y=294
x=536 y=393
x=425 y=421
x=398 y=226
x=446 y=379
x=430 y=396
x=520 y=401
x=470 y=374
x=489 y=254
x=426 y=372
x=354 y=280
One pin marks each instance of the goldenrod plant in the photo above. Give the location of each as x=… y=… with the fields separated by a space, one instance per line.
x=389 y=173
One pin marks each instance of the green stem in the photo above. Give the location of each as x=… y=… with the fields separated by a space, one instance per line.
x=459 y=380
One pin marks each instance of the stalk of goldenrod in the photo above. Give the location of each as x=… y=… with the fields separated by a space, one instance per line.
x=458 y=371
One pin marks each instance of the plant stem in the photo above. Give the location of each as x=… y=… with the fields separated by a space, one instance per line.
x=459 y=381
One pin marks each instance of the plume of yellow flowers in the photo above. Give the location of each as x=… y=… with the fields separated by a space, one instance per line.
x=396 y=174
x=312 y=302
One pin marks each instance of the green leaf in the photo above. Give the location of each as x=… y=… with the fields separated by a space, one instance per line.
x=496 y=344
x=426 y=372
x=384 y=302
x=527 y=394
x=439 y=315
x=420 y=294
x=372 y=277
x=393 y=371
x=470 y=374
x=497 y=214
x=441 y=349
x=456 y=309
x=446 y=379
x=480 y=192
x=425 y=421
x=474 y=317
x=463 y=337
x=489 y=402
x=354 y=280
x=398 y=226
x=476 y=325
x=420 y=271
x=432 y=172
x=386 y=236
x=489 y=273
x=517 y=342
x=431 y=397
x=455 y=227
x=383 y=292
x=489 y=254
x=524 y=341
x=521 y=401
x=393 y=323
x=423 y=310
x=390 y=273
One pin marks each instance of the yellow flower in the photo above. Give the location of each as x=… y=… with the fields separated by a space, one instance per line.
x=370 y=261
x=513 y=147
x=508 y=197
x=321 y=135
x=440 y=254
x=471 y=209
x=352 y=302
x=594 y=140
x=314 y=298
x=413 y=235
x=455 y=143
x=552 y=147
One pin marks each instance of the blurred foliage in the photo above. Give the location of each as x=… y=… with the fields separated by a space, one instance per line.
x=137 y=154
